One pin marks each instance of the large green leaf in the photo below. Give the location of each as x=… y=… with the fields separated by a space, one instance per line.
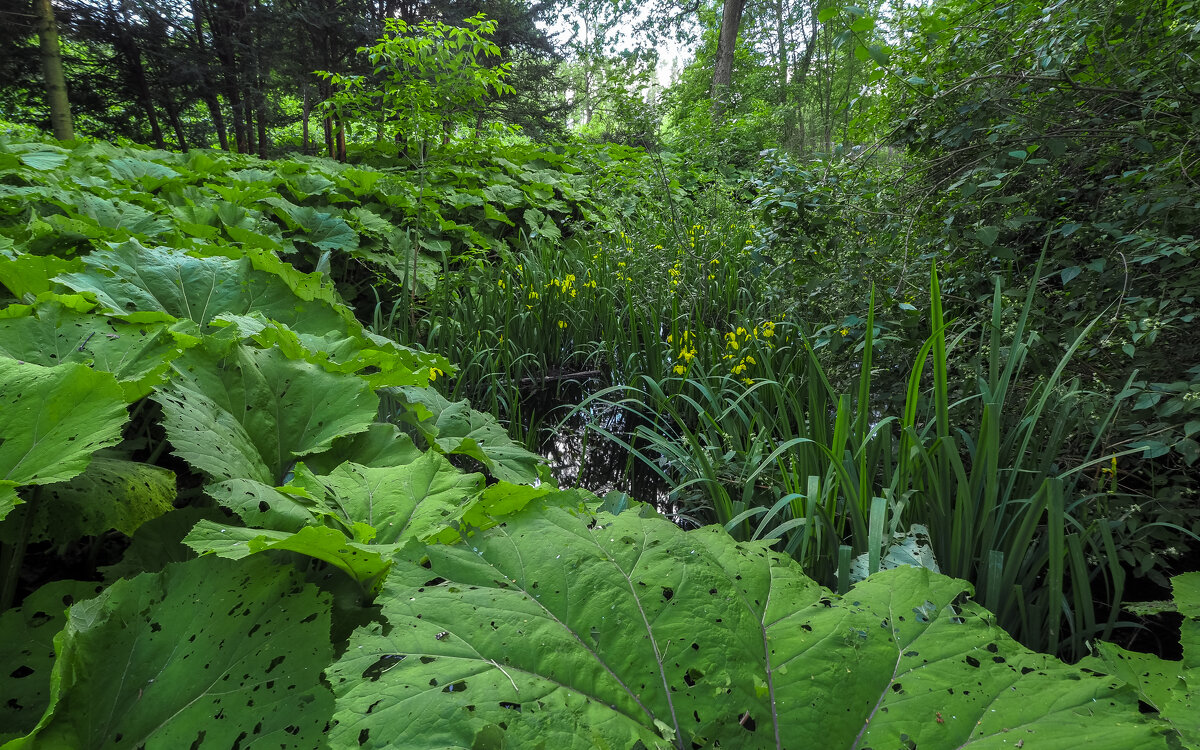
x=26 y=274
x=52 y=419
x=28 y=654
x=63 y=328
x=398 y=502
x=1170 y=687
x=382 y=444
x=207 y=653
x=365 y=563
x=159 y=542
x=112 y=493
x=563 y=631
x=457 y=428
x=237 y=412
x=130 y=277
x=113 y=214
x=379 y=361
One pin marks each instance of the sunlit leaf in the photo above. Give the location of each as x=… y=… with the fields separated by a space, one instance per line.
x=52 y=419
x=554 y=630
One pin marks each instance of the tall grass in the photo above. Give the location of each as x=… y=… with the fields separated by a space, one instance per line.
x=605 y=304
x=996 y=474
x=738 y=413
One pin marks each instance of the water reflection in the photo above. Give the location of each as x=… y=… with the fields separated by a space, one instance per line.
x=580 y=457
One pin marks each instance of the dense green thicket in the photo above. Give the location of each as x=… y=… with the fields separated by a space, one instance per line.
x=310 y=550
x=879 y=295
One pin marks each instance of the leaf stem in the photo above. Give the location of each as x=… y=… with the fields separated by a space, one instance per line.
x=14 y=554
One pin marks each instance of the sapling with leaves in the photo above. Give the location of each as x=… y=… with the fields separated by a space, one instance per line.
x=424 y=78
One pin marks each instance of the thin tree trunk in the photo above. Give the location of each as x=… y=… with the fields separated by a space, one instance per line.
x=731 y=22
x=800 y=79
x=222 y=25
x=248 y=109
x=173 y=118
x=52 y=72
x=305 y=111
x=262 y=127
x=206 y=78
x=789 y=124
x=260 y=92
x=128 y=49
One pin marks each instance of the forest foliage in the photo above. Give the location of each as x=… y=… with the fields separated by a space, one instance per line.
x=884 y=310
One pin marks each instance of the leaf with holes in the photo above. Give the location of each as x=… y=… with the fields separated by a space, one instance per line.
x=64 y=328
x=569 y=631
x=112 y=493
x=365 y=563
x=207 y=653
x=129 y=277
x=398 y=502
x=28 y=654
x=1170 y=687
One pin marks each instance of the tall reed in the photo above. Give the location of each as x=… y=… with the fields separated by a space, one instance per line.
x=999 y=476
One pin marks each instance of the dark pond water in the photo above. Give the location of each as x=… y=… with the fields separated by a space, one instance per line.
x=581 y=457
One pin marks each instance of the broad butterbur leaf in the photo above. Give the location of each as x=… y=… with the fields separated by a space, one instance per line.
x=237 y=412
x=377 y=360
x=564 y=631
x=63 y=328
x=52 y=419
x=113 y=214
x=414 y=500
x=1170 y=687
x=361 y=562
x=112 y=493
x=207 y=653
x=381 y=444
x=28 y=654
x=26 y=274
x=159 y=542
x=457 y=428
x=129 y=277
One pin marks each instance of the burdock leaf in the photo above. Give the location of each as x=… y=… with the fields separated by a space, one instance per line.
x=207 y=653
x=112 y=493
x=237 y=412
x=576 y=632
x=129 y=277
x=62 y=328
x=361 y=562
x=28 y=654
x=454 y=427
x=52 y=419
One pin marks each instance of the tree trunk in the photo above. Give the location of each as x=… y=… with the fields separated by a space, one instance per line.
x=224 y=27
x=52 y=72
x=731 y=22
x=800 y=79
x=259 y=78
x=305 y=111
x=173 y=118
x=209 y=88
x=137 y=73
x=248 y=109
x=789 y=124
